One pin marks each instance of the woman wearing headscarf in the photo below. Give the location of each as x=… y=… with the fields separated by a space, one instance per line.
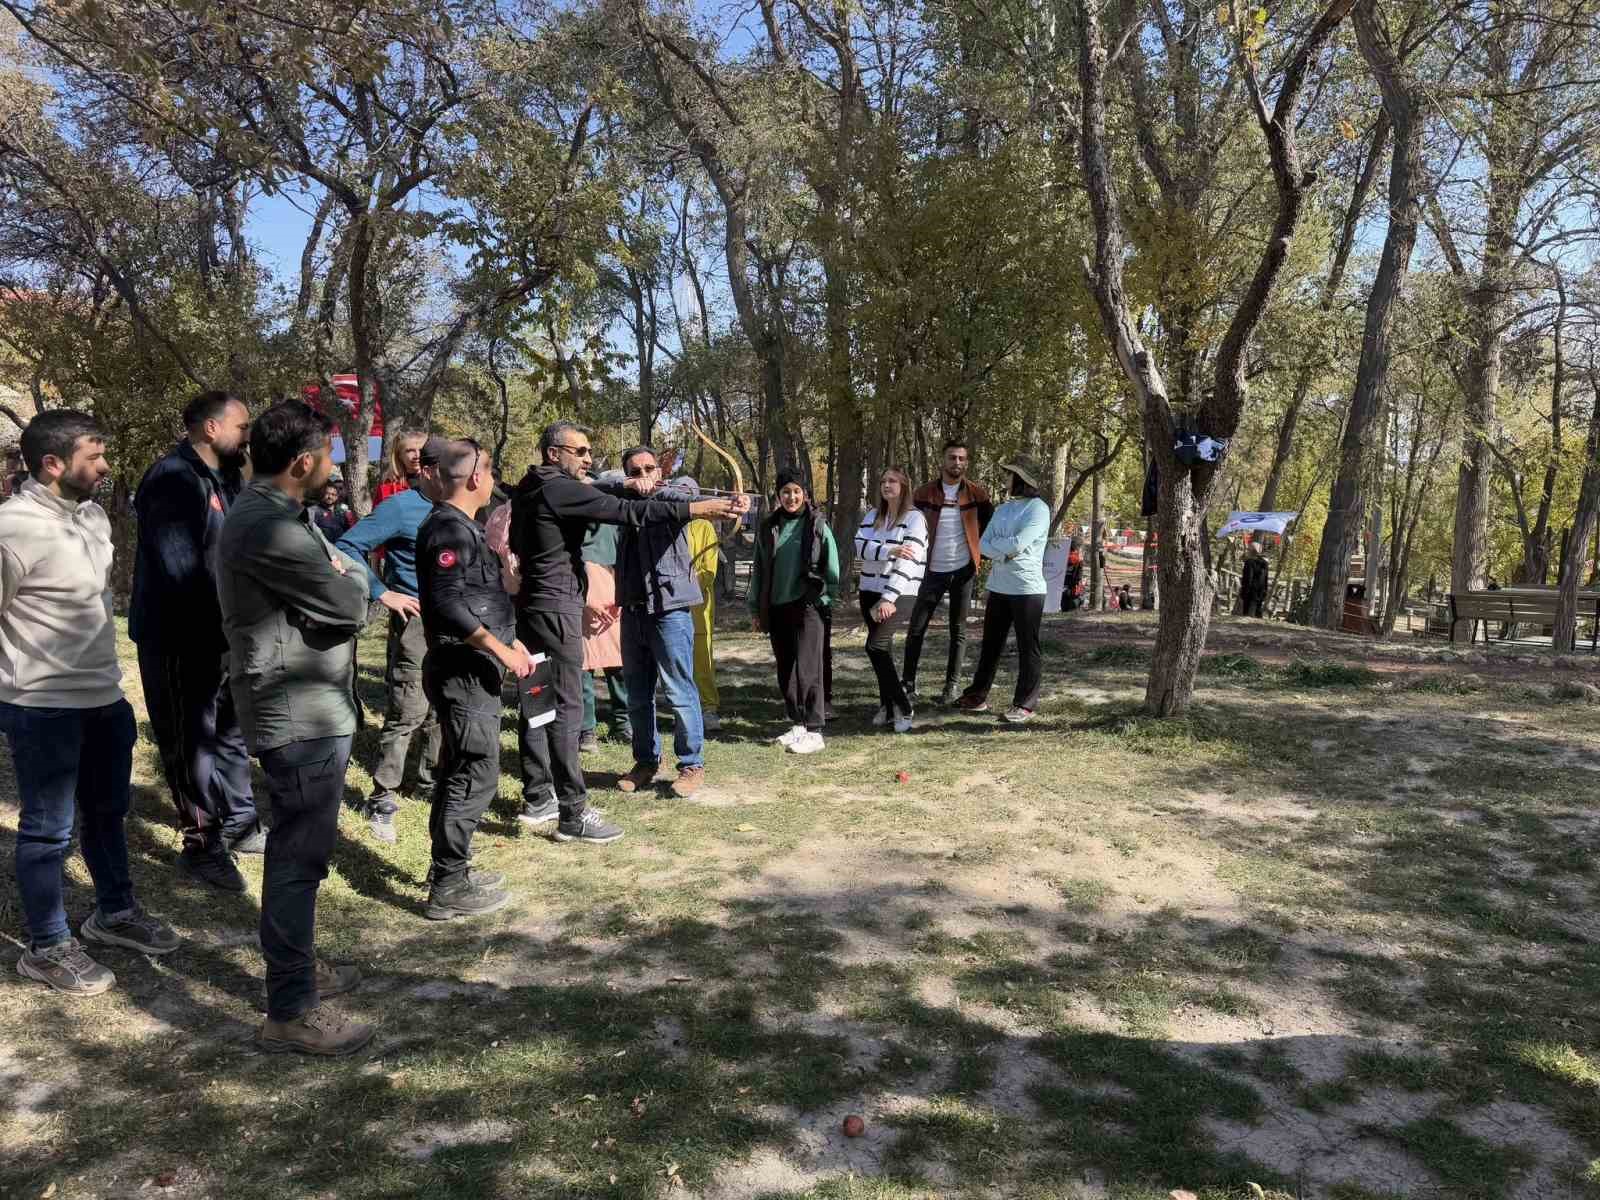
x=1014 y=544
x=892 y=544
x=794 y=580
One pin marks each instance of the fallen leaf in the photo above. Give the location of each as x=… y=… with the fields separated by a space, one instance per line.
x=1256 y=1190
x=48 y=1192
x=166 y=1179
x=612 y=1178
x=1182 y=1194
x=679 y=979
x=619 y=1054
x=637 y=1106
x=590 y=1098
x=744 y=828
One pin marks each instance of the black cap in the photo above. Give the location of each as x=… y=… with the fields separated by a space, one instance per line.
x=433 y=450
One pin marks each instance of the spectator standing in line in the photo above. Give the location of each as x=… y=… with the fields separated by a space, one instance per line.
x=70 y=730
x=404 y=467
x=470 y=623
x=705 y=553
x=292 y=605
x=602 y=635
x=392 y=529
x=793 y=580
x=552 y=510
x=892 y=544
x=957 y=511
x=175 y=620
x=331 y=514
x=1014 y=543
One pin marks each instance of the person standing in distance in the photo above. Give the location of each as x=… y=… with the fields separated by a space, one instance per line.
x=391 y=530
x=1014 y=542
x=794 y=579
x=292 y=606
x=892 y=544
x=470 y=624
x=551 y=514
x=61 y=706
x=957 y=511
x=176 y=622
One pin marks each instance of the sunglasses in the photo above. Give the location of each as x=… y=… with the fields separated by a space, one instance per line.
x=636 y=472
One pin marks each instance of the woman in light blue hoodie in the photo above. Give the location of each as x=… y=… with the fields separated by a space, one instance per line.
x=1014 y=542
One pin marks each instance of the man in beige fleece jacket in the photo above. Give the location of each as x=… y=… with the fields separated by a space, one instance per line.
x=61 y=706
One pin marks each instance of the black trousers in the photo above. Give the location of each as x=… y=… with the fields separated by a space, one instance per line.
x=934 y=586
x=550 y=752
x=306 y=783
x=407 y=713
x=203 y=752
x=463 y=685
x=797 y=635
x=1253 y=602
x=880 y=652
x=827 y=655
x=1001 y=615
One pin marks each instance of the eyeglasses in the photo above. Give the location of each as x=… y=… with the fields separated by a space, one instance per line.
x=636 y=472
x=580 y=451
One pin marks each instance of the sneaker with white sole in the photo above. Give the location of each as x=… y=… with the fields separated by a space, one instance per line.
x=904 y=724
x=794 y=731
x=881 y=717
x=133 y=929
x=1018 y=716
x=809 y=742
x=67 y=968
x=590 y=826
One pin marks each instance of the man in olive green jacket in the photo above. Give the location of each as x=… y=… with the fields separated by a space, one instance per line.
x=291 y=608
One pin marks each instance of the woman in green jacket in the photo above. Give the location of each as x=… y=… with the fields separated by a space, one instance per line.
x=795 y=577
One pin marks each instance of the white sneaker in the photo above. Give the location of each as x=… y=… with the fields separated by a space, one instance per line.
x=881 y=717
x=809 y=742
x=1018 y=716
x=783 y=739
x=904 y=724
x=710 y=722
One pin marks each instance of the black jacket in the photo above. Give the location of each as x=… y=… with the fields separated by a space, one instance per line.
x=550 y=517
x=180 y=505
x=458 y=580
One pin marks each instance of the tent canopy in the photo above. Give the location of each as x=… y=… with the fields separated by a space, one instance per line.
x=1256 y=522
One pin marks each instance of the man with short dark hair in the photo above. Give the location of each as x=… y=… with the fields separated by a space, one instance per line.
x=551 y=513
x=391 y=528
x=470 y=623
x=175 y=620
x=61 y=706
x=659 y=590
x=292 y=606
x=957 y=511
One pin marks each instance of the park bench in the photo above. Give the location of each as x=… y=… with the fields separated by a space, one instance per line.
x=1519 y=606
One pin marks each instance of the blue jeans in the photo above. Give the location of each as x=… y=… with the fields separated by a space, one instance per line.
x=67 y=760
x=661 y=647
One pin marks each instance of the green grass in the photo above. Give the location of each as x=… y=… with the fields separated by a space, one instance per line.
x=1054 y=951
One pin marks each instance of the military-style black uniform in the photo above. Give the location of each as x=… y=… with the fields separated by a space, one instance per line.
x=458 y=581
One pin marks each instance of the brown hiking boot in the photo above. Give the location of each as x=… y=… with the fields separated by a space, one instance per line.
x=333 y=979
x=320 y=1031
x=642 y=776
x=688 y=781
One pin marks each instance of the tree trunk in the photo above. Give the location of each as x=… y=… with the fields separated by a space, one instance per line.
x=1343 y=526
x=366 y=318
x=1097 y=501
x=1564 y=635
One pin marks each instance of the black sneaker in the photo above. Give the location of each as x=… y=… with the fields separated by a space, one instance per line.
x=588 y=742
x=253 y=842
x=464 y=898
x=215 y=867
x=133 y=929
x=539 y=812
x=588 y=826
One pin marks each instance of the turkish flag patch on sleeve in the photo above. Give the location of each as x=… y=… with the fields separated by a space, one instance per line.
x=447 y=558
x=216 y=502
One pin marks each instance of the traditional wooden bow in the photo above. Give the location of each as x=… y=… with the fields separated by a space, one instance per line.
x=733 y=463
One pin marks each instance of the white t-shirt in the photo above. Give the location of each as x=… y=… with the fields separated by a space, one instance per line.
x=950 y=551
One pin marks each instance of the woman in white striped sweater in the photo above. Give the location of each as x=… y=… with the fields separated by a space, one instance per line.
x=892 y=545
